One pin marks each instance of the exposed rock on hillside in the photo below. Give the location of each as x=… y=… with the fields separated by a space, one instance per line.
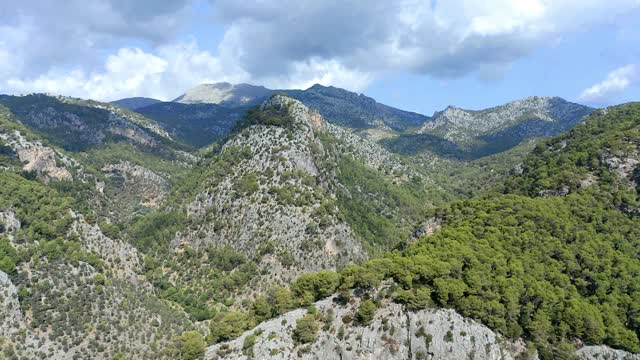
x=138 y=182
x=42 y=160
x=77 y=125
x=268 y=191
x=394 y=333
x=529 y=117
x=9 y=222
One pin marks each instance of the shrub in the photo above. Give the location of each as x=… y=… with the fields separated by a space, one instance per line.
x=306 y=329
x=366 y=312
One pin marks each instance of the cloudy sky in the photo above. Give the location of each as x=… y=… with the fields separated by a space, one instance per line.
x=416 y=55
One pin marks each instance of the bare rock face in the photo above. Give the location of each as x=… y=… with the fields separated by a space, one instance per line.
x=394 y=333
x=120 y=257
x=428 y=227
x=224 y=94
x=139 y=182
x=11 y=319
x=38 y=158
x=9 y=223
x=604 y=352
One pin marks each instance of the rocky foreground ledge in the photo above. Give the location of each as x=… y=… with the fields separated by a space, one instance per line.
x=394 y=333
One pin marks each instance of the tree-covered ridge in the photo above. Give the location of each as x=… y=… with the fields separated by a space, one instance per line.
x=603 y=152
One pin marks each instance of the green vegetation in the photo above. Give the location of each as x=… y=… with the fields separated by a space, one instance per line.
x=198 y=280
x=155 y=231
x=306 y=330
x=188 y=346
x=547 y=269
x=587 y=153
x=272 y=116
x=8 y=256
x=226 y=326
x=366 y=312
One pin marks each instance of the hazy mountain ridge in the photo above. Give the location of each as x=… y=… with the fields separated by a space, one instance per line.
x=337 y=105
x=135 y=103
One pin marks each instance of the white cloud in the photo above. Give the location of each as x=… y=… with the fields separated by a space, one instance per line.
x=117 y=48
x=173 y=69
x=440 y=38
x=131 y=71
x=616 y=82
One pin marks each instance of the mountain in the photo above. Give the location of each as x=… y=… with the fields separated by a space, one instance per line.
x=134 y=103
x=77 y=125
x=346 y=108
x=546 y=269
x=225 y=94
x=286 y=191
x=475 y=133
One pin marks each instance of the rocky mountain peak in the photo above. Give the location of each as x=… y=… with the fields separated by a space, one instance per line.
x=299 y=113
x=224 y=93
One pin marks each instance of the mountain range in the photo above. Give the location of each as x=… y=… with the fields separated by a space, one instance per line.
x=211 y=110
x=242 y=222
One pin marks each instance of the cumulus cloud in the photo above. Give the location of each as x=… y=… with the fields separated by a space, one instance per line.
x=616 y=81
x=133 y=71
x=116 y=48
x=439 y=38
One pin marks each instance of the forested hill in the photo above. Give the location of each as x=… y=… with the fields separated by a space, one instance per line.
x=558 y=269
x=601 y=155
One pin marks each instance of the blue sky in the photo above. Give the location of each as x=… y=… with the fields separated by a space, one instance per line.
x=419 y=55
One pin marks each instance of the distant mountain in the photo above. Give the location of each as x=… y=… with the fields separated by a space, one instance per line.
x=355 y=110
x=134 y=103
x=225 y=94
x=338 y=106
x=528 y=117
x=476 y=133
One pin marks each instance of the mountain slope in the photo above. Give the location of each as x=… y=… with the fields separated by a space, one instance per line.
x=601 y=156
x=198 y=124
x=557 y=271
x=117 y=163
x=135 y=103
x=71 y=290
x=354 y=110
